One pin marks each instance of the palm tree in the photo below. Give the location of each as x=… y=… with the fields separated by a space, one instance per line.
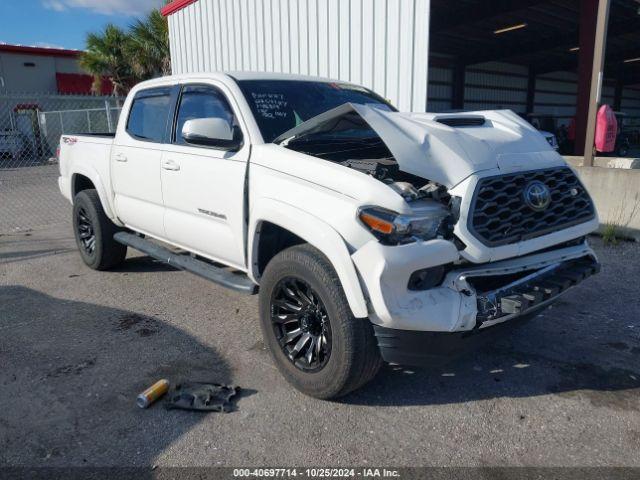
x=108 y=54
x=149 y=46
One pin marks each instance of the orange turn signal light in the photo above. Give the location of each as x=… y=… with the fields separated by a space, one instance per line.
x=376 y=223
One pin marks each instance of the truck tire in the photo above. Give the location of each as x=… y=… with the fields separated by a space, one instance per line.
x=94 y=233
x=316 y=343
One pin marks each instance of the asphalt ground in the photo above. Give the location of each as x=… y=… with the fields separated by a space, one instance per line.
x=76 y=346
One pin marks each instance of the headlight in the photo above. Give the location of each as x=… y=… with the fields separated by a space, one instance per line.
x=392 y=228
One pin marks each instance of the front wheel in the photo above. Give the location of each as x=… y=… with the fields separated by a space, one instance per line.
x=317 y=344
x=94 y=233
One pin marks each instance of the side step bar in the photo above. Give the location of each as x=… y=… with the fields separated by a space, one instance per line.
x=219 y=275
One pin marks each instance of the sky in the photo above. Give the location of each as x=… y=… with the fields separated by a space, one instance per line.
x=65 y=23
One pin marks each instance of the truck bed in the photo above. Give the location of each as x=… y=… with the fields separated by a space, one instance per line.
x=87 y=154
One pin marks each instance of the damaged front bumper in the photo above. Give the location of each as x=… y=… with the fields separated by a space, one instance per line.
x=471 y=298
x=529 y=291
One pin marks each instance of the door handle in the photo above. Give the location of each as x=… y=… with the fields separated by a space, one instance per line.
x=170 y=165
x=119 y=157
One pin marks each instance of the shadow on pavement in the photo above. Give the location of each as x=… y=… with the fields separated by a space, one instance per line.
x=539 y=358
x=18 y=256
x=70 y=372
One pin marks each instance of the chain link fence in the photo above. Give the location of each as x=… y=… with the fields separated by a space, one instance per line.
x=30 y=129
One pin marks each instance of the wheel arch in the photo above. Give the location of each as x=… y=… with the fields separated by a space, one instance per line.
x=84 y=179
x=80 y=182
x=271 y=216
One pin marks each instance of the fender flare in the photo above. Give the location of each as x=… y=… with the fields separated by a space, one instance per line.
x=95 y=178
x=315 y=232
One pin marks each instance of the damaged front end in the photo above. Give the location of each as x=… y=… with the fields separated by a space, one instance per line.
x=426 y=272
x=502 y=296
x=346 y=136
x=474 y=303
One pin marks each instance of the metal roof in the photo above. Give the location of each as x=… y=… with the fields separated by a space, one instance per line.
x=43 y=51
x=174 y=6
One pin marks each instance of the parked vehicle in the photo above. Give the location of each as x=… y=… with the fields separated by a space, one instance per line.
x=12 y=145
x=623 y=142
x=551 y=139
x=370 y=234
x=537 y=121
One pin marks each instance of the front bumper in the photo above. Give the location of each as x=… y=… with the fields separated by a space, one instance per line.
x=471 y=297
x=499 y=311
x=531 y=291
x=432 y=349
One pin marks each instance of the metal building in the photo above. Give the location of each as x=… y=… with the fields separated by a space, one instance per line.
x=381 y=44
x=25 y=69
x=552 y=61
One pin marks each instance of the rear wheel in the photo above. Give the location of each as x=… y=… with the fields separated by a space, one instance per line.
x=317 y=344
x=94 y=233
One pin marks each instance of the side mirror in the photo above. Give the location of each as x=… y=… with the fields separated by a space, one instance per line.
x=212 y=132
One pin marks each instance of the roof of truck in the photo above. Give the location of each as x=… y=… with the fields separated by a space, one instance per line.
x=277 y=76
x=239 y=76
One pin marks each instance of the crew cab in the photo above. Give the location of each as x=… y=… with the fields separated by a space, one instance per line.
x=370 y=235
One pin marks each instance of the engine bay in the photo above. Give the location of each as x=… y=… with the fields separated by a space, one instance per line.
x=349 y=141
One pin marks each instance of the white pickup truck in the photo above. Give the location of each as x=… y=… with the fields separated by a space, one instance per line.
x=371 y=235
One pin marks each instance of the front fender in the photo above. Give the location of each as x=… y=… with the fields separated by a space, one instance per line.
x=315 y=232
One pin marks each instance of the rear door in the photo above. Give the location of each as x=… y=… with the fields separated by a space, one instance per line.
x=203 y=187
x=136 y=157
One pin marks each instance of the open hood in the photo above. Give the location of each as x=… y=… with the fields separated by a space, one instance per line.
x=444 y=148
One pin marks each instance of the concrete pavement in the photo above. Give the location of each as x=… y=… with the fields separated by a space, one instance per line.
x=76 y=346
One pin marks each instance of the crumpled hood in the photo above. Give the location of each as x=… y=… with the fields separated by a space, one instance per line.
x=425 y=147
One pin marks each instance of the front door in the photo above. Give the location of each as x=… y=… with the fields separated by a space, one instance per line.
x=203 y=187
x=135 y=161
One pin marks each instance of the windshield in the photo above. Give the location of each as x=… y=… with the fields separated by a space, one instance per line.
x=280 y=105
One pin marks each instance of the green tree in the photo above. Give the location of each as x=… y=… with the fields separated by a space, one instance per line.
x=108 y=54
x=149 y=46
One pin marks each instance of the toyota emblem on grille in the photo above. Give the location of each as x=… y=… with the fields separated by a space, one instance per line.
x=537 y=196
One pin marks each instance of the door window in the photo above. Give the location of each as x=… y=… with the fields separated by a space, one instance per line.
x=149 y=113
x=200 y=101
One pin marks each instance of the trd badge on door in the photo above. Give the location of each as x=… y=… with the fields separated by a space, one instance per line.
x=213 y=214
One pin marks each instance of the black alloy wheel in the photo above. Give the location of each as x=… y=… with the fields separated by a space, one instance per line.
x=94 y=232
x=301 y=324
x=86 y=232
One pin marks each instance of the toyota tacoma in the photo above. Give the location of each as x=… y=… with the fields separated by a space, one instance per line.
x=370 y=235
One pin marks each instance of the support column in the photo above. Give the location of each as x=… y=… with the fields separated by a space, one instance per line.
x=594 y=16
x=457 y=92
x=587 y=31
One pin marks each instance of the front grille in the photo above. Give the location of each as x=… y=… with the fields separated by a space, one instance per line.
x=500 y=215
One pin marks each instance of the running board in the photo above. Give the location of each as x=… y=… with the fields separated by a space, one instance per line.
x=219 y=275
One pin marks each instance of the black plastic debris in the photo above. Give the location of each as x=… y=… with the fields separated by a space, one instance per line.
x=204 y=397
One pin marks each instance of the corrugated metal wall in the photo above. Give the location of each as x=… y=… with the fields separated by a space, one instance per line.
x=498 y=85
x=556 y=94
x=493 y=85
x=440 y=88
x=381 y=44
x=631 y=101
